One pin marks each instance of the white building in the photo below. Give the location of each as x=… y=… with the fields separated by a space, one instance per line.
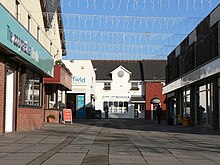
x=83 y=83
x=120 y=85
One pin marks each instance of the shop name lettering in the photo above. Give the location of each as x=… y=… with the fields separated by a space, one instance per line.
x=22 y=45
x=18 y=42
x=79 y=79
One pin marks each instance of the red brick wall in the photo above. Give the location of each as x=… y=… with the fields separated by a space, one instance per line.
x=2 y=94
x=154 y=89
x=53 y=112
x=29 y=118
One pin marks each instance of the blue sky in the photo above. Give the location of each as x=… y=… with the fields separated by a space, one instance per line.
x=129 y=29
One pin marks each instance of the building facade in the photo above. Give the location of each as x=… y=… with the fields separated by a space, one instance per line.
x=192 y=76
x=124 y=87
x=83 y=86
x=29 y=43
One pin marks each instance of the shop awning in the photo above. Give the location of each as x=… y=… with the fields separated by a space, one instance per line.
x=137 y=99
x=61 y=78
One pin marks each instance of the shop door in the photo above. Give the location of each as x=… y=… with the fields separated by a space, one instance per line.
x=80 y=111
x=9 y=108
x=205 y=112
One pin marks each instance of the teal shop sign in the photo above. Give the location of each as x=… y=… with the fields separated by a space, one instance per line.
x=15 y=37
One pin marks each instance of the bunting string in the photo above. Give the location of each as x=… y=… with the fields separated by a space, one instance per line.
x=118 y=37
x=132 y=4
x=127 y=22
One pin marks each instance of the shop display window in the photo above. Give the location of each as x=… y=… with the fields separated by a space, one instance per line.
x=117 y=106
x=29 y=88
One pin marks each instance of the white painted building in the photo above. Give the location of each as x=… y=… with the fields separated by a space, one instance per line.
x=83 y=84
x=119 y=85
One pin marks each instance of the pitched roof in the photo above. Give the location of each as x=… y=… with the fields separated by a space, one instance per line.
x=105 y=67
x=154 y=69
x=140 y=70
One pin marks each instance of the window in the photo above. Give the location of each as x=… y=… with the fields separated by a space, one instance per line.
x=38 y=33
x=32 y=89
x=117 y=106
x=17 y=9
x=107 y=86
x=29 y=23
x=51 y=97
x=134 y=86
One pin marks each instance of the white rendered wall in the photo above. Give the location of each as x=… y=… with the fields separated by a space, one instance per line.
x=33 y=9
x=83 y=69
x=120 y=91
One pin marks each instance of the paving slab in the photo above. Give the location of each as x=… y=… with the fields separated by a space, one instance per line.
x=111 y=142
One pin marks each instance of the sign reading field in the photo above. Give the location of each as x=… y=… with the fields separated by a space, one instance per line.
x=79 y=80
x=67 y=115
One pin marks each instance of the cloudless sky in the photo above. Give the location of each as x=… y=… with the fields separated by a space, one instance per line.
x=129 y=29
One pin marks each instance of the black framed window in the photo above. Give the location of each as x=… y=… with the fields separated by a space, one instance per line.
x=117 y=106
x=17 y=9
x=134 y=86
x=30 y=89
x=107 y=86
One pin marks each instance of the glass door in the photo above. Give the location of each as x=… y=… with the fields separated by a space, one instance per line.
x=205 y=110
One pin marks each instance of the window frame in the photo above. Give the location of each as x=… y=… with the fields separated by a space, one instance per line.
x=107 y=86
x=23 y=80
x=134 y=86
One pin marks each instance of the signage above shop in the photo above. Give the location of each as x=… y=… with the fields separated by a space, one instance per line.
x=79 y=80
x=18 y=40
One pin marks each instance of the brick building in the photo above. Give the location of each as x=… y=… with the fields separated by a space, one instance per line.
x=27 y=55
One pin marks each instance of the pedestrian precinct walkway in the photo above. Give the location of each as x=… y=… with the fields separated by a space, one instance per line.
x=111 y=141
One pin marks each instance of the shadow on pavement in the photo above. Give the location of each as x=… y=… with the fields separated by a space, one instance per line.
x=145 y=125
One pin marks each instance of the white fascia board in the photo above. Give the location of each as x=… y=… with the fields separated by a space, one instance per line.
x=138 y=81
x=122 y=69
x=203 y=72
x=154 y=80
x=102 y=81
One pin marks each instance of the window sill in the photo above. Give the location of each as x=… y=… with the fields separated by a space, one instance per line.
x=30 y=106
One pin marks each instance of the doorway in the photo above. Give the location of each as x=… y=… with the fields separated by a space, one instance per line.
x=205 y=110
x=9 y=106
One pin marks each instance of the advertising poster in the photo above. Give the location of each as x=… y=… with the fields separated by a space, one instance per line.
x=67 y=115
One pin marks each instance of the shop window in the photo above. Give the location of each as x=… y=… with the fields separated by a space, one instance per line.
x=117 y=106
x=51 y=97
x=134 y=86
x=32 y=89
x=107 y=86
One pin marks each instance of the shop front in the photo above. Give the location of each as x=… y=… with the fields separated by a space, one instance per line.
x=55 y=92
x=195 y=97
x=23 y=64
x=138 y=103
